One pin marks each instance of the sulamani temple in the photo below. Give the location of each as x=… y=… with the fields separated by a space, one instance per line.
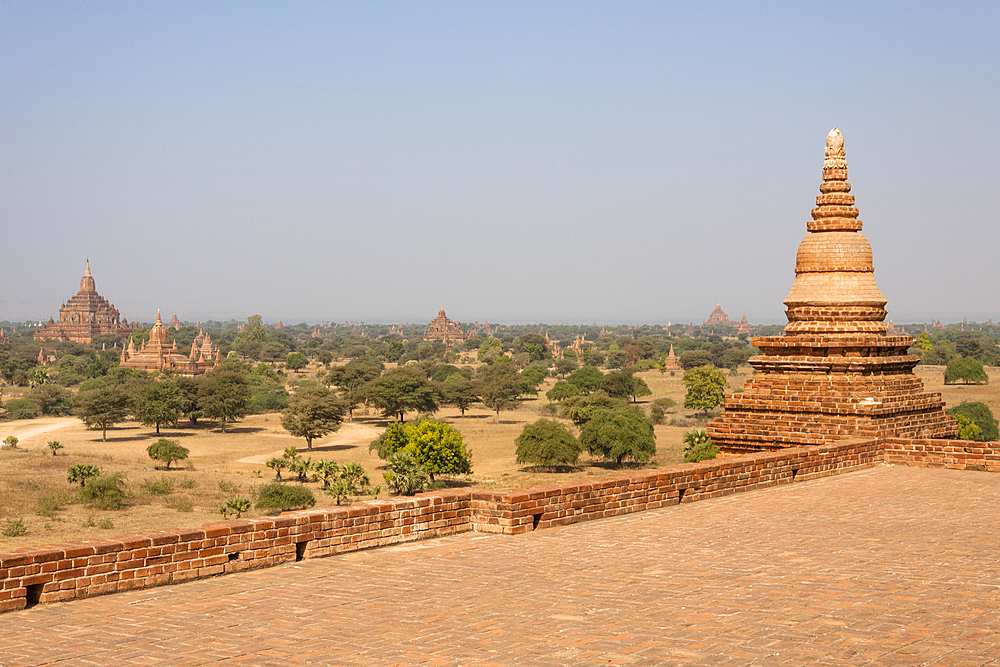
x=85 y=315
x=836 y=372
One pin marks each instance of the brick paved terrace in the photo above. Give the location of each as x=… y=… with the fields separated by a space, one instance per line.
x=885 y=566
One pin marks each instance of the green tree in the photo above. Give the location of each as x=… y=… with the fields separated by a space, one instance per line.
x=581 y=408
x=296 y=361
x=923 y=344
x=565 y=366
x=391 y=440
x=706 y=388
x=698 y=446
x=533 y=344
x=167 y=451
x=965 y=368
x=562 y=390
x=586 y=379
x=547 y=443
x=461 y=393
x=224 y=396
x=52 y=400
x=490 y=350
x=694 y=358
x=101 y=408
x=313 y=412
x=500 y=386
x=616 y=435
x=967 y=429
x=981 y=416
x=438 y=447
x=401 y=389
x=622 y=384
x=277 y=464
x=157 y=403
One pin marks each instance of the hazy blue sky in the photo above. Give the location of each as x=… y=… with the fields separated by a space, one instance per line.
x=517 y=161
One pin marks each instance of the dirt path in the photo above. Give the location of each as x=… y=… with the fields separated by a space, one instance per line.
x=37 y=426
x=347 y=435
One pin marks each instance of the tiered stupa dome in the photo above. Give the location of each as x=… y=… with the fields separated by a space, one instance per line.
x=835 y=373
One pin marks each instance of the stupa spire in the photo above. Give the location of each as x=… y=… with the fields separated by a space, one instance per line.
x=87 y=283
x=834 y=289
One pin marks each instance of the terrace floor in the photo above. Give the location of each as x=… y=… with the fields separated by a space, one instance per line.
x=887 y=566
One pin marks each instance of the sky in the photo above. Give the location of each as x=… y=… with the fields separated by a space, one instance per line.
x=563 y=162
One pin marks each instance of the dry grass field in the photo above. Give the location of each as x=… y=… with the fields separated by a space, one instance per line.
x=33 y=481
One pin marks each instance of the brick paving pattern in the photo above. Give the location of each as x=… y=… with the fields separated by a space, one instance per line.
x=888 y=566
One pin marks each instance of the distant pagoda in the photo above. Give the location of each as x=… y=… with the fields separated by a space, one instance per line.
x=835 y=373
x=446 y=330
x=85 y=315
x=159 y=354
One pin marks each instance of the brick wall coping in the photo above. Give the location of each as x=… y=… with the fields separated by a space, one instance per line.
x=53 y=572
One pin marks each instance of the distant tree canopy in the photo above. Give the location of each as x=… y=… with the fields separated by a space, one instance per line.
x=619 y=434
x=586 y=379
x=547 y=443
x=313 y=412
x=400 y=390
x=500 y=386
x=966 y=369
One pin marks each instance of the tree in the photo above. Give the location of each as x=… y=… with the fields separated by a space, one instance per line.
x=706 y=387
x=694 y=358
x=732 y=358
x=401 y=389
x=622 y=384
x=533 y=344
x=490 y=350
x=312 y=412
x=167 y=451
x=52 y=399
x=187 y=392
x=296 y=361
x=547 y=443
x=500 y=386
x=531 y=377
x=965 y=368
x=101 y=408
x=157 y=403
x=277 y=464
x=581 y=408
x=565 y=366
x=619 y=434
x=224 y=396
x=698 y=446
x=461 y=393
x=562 y=390
x=980 y=415
x=586 y=379
x=438 y=447
x=54 y=445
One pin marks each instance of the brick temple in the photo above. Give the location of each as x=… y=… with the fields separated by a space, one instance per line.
x=444 y=329
x=835 y=373
x=159 y=354
x=85 y=315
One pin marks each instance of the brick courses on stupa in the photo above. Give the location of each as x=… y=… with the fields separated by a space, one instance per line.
x=835 y=373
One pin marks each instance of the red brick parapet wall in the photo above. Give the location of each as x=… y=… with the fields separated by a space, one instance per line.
x=94 y=567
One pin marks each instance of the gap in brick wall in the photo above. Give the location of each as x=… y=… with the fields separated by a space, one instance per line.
x=535 y=518
x=300 y=550
x=34 y=594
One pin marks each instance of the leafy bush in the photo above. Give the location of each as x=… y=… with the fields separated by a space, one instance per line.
x=167 y=451
x=981 y=416
x=54 y=445
x=47 y=506
x=277 y=496
x=698 y=446
x=15 y=528
x=21 y=408
x=438 y=447
x=107 y=492
x=967 y=430
x=656 y=414
x=390 y=441
x=11 y=441
x=180 y=503
x=406 y=476
x=581 y=408
x=619 y=434
x=547 y=443
x=157 y=487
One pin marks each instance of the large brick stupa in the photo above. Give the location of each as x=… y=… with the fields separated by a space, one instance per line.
x=85 y=315
x=835 y=373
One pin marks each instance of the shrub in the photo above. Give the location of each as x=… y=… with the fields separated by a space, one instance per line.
x=82 y=472
x=619 y=434
x=981 y=416
x=47 y=506
x=180 y=504
x=228 y=487
x=157 y=487
x=167 y=451
x=967 y=430
x=277 y=496
x=277 y=464
x=656 y=414
x=21 y=408
x=698 y=446
x=438 y=447
x=11 y=441
x=390 y=441
x=107 y=492
x=106 y=524
x=406 y=476
x=237 y=506
x=54 y=446
x=15 y=528
x=547 y=443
